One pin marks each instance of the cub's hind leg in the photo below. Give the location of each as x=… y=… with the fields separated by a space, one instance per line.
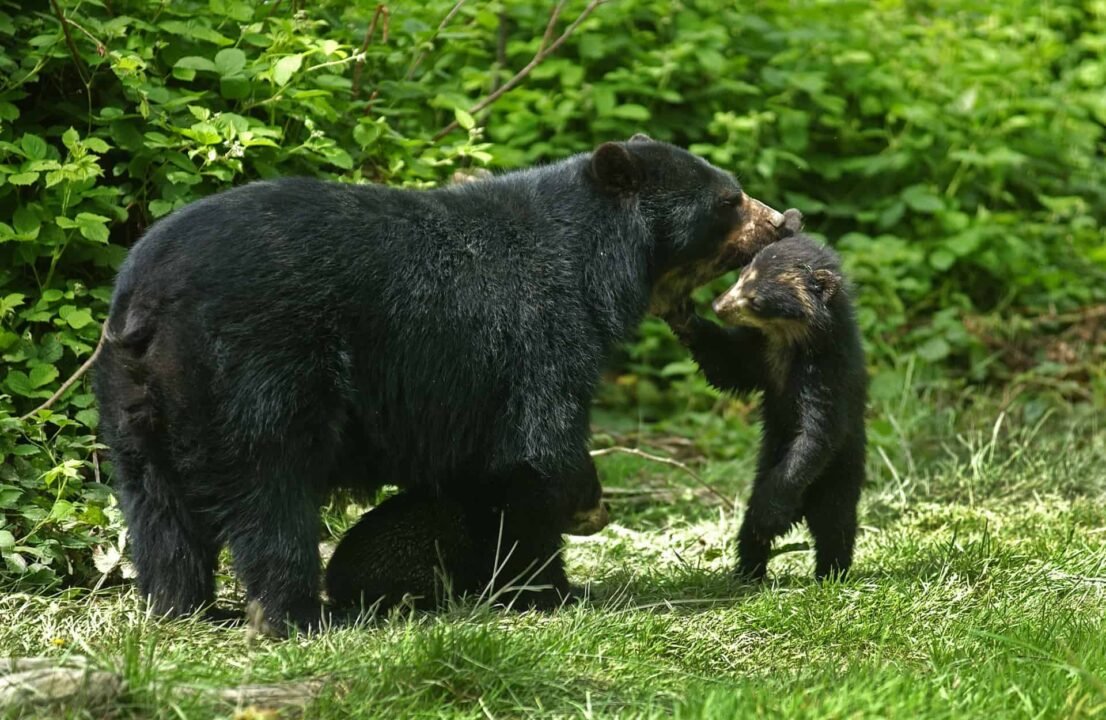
x=830 y=510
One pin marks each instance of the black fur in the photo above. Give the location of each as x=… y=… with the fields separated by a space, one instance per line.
x=432 y=547
x=413 y=545
x=808 y=360
x=270 y=343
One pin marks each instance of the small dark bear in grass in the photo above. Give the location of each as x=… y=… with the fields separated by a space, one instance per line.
x=274 y=342
x=796 y=339
x=427 y=549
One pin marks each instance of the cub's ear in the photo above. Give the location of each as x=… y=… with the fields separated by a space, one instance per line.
x=615 y=169
x=828 y=282
x=641 y=137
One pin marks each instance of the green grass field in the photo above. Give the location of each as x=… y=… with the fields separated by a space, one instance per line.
x=979 y=590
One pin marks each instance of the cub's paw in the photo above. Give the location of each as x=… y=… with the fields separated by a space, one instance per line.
x=769 y=517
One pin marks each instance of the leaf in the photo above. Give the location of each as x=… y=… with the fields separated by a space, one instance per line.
x=234 y=9
x=236 y=87
x=23 y=178
x=9 y=496
x=230 y=61
x=941 y=259
x=26 y=222
x=464 y=119
x=204 y=133
x=10 y=302
x=43 y=375
x=285 y=67
x=159 y=208
x=93 y=227
x=78 y=318
x=631 y=111
x=934 y=350
x=7 y=540
x=366 y=133
x=965 y=243
x=15 y=562
x=89 y=417
x=18 y=382
x=338 y=156
x=922 y=200
x=71 y=139
x=195 y=62
x=34 y=147
x=97 y=145
x=196 y=31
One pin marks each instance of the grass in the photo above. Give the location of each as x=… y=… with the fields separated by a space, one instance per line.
x=979 y=590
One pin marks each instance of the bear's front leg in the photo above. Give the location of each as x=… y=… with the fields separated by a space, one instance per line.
x=529 y=513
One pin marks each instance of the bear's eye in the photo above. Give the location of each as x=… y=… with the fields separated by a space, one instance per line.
x=731 y=199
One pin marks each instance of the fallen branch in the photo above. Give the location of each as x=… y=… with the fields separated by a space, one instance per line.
x=23 y=664
x=274 y=697
x=72 y=379
x=50 y=681
x=664 y=461
x=545 y=49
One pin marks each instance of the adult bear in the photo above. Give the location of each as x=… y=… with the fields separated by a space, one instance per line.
x=276 y=341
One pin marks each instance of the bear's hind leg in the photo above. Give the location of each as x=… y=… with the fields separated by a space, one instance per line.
x=174 y=552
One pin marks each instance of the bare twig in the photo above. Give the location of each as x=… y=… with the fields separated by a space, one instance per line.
x=77 y=62
x=501 y=36
x=544 y=50
x=552 y=24
x=665 y=461
x=101 y=48
x=381 y=12
x=72 y=379
x=441 y=26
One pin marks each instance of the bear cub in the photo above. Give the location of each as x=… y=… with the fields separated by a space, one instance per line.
x=427 y=549
x=794 y=336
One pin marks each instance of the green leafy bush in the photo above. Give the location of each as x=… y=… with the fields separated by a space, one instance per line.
x=952 y=151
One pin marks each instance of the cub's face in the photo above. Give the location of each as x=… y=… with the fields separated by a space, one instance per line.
x=785 y=290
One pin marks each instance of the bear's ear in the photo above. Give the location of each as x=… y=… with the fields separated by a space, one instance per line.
x=641 y=137
x=615 y=169
x=827 y=282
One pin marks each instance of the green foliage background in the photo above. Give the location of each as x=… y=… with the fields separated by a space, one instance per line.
x=953 y=151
